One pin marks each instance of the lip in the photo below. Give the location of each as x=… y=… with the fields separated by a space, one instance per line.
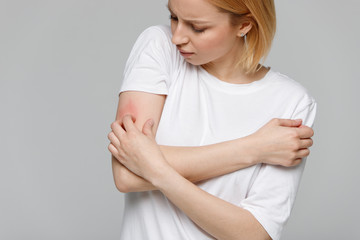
x=185 y=53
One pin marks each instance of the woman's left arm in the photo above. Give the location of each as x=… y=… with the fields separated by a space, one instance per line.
x=219 y=218
x=223 y=220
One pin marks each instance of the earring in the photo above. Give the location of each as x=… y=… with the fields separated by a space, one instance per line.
x=242 y=34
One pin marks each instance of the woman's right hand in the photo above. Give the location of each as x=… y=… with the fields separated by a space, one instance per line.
x=281 y=142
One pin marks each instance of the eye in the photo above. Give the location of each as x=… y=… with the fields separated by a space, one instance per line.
x=195 y=29
x=198 y=30
x=173 y=18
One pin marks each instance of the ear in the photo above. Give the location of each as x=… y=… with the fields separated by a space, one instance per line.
x=244 y=28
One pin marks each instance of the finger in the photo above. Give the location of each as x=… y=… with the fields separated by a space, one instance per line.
x=303 y=153
x=114 y=140
x=113 y=150
x=117 y=129
x=290 y=122
x=148 y=127
x=118 y=158
x=306 y=143
x=296 y=162
x=305 y=132
x=128 y=123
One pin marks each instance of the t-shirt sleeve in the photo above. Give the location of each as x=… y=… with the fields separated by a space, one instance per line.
x=148 y=67
x=272 y=195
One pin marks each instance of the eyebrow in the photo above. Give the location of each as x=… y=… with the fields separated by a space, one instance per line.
x=189 y=21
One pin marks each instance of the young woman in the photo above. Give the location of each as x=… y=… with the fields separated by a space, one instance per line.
x=227 y=160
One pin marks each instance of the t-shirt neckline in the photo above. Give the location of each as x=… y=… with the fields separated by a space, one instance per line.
x=235 y=87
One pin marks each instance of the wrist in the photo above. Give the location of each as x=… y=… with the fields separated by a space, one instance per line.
x=249 y=151
x=164 y=177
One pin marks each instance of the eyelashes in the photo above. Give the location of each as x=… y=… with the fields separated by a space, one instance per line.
x=193 y=28
x=198 y=30
x=173 y=18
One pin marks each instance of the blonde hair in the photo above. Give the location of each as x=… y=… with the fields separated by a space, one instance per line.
x=261 y=14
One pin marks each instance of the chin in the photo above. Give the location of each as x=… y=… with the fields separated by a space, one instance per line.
x=195 y=63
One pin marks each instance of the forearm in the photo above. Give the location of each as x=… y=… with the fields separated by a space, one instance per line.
x=219 y=218
x=193 y=163
x=279 y=142
x=206 y=162
x=126 y=181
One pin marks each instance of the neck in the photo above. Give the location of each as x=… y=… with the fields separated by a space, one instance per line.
x=225 y=69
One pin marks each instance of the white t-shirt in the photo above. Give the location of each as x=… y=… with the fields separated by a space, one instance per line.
x=199 y=110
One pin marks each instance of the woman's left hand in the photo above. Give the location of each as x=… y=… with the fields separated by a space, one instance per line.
x=136 y=150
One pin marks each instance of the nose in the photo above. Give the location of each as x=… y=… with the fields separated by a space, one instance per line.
x=180 y=36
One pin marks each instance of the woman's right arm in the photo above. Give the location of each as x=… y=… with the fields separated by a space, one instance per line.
x=279 y=142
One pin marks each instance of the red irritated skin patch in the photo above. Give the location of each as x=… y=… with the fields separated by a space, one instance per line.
x=128 y=108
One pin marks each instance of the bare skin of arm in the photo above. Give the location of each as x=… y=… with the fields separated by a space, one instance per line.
x=280 y=142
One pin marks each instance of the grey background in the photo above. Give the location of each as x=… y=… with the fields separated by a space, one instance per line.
x=61 y=66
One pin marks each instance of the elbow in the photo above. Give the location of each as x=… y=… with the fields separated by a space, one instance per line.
x=121 y=187
x=121 y=180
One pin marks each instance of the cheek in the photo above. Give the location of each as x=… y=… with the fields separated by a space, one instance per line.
x=215 y=43
x=209 y=43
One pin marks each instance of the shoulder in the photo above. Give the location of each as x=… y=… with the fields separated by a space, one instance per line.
x=295 y=98
x=160 y=34
x=289 y=88
x=151 y=63
x=154 y=47
x=163 y=30
x=155 y=42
